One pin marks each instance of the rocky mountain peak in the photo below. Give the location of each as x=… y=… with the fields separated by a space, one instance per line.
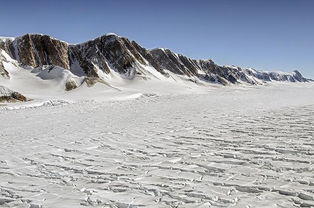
x=37 y=50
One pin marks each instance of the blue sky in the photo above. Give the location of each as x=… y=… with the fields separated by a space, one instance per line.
x=264 y=34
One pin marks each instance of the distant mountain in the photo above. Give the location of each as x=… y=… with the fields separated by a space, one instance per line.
x=111 y=54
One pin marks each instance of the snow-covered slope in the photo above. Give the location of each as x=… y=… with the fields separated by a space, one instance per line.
x=232 y=147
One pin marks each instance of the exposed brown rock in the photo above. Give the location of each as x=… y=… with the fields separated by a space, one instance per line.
x=109 y=51
x=175 y=63
x=116 y=52
x=4 y=73
x=76 y=54
x=26 y=51
x=38 y=50
x=90 y=81
x=70 y=85
x=149 y=57
x=18 y=96
x=7 y=46
x=7 y=95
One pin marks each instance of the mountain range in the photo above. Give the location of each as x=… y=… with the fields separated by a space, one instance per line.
x=96 y=60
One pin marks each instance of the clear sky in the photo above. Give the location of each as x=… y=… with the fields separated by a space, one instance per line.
x=264 y=34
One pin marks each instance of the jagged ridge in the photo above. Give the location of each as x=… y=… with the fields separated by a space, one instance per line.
x=110 y=52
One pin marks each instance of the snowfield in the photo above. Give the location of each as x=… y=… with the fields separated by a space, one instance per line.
x=236 y=146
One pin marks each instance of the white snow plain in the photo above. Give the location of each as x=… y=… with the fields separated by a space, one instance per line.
x=236 y=146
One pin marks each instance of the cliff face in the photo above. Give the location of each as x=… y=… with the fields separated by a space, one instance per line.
x=114 y=53
x=105 y=52
x=37 y=50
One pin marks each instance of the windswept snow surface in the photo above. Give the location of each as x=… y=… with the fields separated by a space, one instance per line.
x=226 y=147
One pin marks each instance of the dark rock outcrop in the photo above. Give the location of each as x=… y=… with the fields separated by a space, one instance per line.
x=7 y=95
x=175 y=63
x=106 y=52
x=70 y=85
x=3 y=73
x=38 y=50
